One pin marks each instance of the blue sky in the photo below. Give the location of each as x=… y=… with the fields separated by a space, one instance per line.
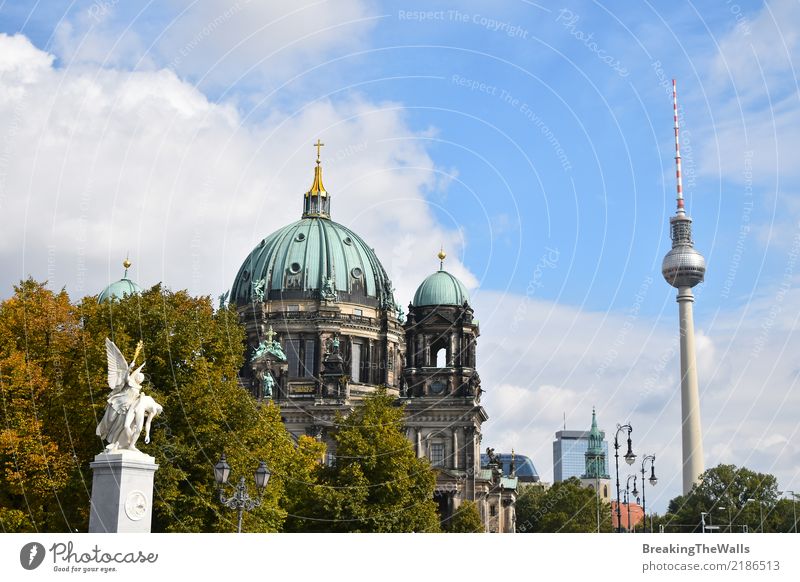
x=509 y=132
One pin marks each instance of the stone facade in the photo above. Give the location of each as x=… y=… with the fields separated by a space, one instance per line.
x=323 y=331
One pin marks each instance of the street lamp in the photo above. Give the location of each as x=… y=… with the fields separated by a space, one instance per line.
x=627 y=499
x=653 y=481
x=240 y=500
x=730 y=516
x=760 y=512
x=794 y=506
x=629 y=458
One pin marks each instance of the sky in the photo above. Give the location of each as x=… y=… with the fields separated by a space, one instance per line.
x=533 y=141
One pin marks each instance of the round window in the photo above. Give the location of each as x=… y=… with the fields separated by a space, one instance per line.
x=294 y=268
x=300 y=237
x=356 y=273
x=437 y=387
x=245 y=275
x=348 y=240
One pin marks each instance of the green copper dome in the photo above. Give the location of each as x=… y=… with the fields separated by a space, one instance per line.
x=441 y=288
x=121 y=288
x=313 y=258
x=309 y=259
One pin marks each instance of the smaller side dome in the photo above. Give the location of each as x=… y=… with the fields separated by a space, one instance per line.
x=121 y=288
x=440 y=288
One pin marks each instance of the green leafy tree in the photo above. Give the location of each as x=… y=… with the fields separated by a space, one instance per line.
x=376 y=482
x=467 y=519
x=566 y=507
x=734 y=498
x=53 y=363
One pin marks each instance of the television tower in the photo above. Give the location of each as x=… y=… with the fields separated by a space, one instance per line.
x=683 y=268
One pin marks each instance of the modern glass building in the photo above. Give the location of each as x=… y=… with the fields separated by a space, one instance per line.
x=523 y=466
x=569 y=454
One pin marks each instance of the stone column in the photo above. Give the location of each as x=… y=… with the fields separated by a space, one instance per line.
x=455 y=448
x=122 y=492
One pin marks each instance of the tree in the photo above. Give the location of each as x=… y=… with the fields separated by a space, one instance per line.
x=566 y=507
x=53 y=366
x=734 y=498
x=376 y=482
x=467 y=519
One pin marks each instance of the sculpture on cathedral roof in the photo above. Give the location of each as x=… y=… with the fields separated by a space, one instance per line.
x=328 y=291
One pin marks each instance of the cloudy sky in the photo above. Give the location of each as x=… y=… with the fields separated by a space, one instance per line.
x=533 y=141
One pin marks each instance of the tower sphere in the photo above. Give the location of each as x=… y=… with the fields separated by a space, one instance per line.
x=683 y=266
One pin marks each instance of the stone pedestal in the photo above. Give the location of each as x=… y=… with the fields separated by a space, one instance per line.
x=122 y=492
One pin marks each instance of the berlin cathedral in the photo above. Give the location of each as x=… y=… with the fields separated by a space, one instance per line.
x=324 y=330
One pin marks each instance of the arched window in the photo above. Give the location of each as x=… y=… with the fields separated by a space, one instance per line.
x=441 y=358
x=605 y=491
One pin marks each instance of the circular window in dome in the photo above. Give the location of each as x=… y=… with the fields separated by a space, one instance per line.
x=294 y=268
x=245 y=275
x=300 y=237
x=348 y=240
x=356 y=273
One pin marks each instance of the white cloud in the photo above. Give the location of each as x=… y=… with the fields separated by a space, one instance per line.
x=217 y=42
x=561 y=359
x=99 y=162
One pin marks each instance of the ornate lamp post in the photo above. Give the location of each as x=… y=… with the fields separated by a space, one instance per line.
x=794 y=506
x=653 y=481
x=240 y=500
x=629 y=458
x=627 y=499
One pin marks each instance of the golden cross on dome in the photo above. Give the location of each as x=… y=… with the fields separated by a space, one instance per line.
x=318 y=145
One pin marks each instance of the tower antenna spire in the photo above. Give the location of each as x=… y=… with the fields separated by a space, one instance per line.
x=678 y=177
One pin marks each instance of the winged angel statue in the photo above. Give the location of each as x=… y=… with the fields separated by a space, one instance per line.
x=128 y=409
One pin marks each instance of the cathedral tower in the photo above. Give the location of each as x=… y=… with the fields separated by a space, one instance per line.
x=441 y=390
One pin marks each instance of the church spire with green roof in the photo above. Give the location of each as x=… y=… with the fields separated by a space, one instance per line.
x=595 y=455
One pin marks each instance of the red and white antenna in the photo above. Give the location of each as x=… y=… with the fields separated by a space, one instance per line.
x=677 y=149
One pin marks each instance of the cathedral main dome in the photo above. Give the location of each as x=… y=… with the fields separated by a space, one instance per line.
x=310 y=257
x=314 y=258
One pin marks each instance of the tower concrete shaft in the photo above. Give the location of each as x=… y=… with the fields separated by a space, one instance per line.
x=683 y=268
x=691 y=437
